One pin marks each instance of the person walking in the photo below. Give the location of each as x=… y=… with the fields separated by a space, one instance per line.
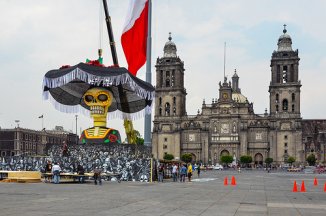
x=81 y=173
x=48 y=170
x=198 y=170
x=97 y=176
x=183 y=173
x=160 y=173
x=175 y=172
x=56 y=169
x=189 y=171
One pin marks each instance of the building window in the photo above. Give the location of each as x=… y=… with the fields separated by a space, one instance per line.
x=174 y=111
x=160 y=101
x=285 y=105
x=167 y=79
x=165 y=146
x=278 y=74
x=285 y=136
x=173 y=78
x=285 y=74
x=160 y=111
x=285 y=151
x=292 y=107
x=167 y=109
x=258 y=136
x=276 y=107
x=174 y=100
x=277 y=98
x=293 y=97
x=285 y=145
x=165 y=139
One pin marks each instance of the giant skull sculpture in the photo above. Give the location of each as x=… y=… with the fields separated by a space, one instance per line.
x=99 y=100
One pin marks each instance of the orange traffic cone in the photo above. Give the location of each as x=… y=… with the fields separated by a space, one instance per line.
x=315 y=182
x=226 y=181
x=303 y=188
x=233 y=181
x=295 y=188
x=325 y=187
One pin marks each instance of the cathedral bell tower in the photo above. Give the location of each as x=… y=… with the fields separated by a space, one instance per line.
x=285 y=85
x=170 y=103
x=170 y=94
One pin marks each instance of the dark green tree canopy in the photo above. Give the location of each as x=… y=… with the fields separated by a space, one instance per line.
x=168 y=157
x=311 y=159
x=226 y=159
x=187 y=157
x=245 y=159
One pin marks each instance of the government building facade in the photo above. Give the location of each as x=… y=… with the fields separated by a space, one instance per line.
x=229 y=125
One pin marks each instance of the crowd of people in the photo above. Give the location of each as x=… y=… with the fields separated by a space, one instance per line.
x=179 y=172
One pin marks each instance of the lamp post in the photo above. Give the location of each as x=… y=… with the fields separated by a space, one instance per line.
x=76 y=129
x=17 y=122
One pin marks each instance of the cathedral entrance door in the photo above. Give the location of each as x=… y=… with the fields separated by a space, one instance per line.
x=259 y=159
x=225 y=152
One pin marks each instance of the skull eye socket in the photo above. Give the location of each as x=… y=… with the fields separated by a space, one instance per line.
x=89 y=98
x=102 y=97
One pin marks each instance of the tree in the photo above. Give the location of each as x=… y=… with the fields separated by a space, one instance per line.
x=245 y=159
x=291 y=160
x=168 y=157
x=268 y=161
x=186 y=157
x=226 y=159
x=311 y=159
x=139 y=139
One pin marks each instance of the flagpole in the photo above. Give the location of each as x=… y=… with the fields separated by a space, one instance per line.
x=148 y=117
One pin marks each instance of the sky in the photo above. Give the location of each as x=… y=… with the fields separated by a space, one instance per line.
x=40 y=35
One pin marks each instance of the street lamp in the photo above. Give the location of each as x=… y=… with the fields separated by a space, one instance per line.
x=17 y=122
x=76 y=129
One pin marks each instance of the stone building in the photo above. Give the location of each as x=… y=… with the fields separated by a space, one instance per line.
x=229 y=125
x=22 y=141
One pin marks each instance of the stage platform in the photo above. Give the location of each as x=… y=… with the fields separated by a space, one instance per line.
x=20 y=176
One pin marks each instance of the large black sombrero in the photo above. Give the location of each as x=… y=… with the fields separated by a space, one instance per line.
x=67 y=85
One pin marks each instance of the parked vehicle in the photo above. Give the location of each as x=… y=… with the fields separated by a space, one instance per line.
x=320 y=170
x=218 y=167
x=309 y=170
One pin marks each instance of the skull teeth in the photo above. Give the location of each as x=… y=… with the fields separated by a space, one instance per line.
x=97 y=110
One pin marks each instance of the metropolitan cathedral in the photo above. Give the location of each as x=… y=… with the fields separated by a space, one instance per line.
x=229 y=125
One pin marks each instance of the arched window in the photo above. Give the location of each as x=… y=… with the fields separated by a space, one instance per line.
x=167 y=82
x=160 y=111
x=276 y=108
x=285 y=105
x=277 y=98
x=293 y=97
x=160 y=101
x=167 y=79
x=174 y=100
x=173 y=78
x=167 y=109
x=292 y=107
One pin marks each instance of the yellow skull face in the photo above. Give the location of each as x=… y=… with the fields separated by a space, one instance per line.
x=98 y=100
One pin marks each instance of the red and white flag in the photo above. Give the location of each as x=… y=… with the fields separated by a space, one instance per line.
x=134 y=35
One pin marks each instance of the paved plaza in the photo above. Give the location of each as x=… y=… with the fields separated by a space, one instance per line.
x=256 y=193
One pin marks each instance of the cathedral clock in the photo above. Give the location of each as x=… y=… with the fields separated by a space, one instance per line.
x=225 y=96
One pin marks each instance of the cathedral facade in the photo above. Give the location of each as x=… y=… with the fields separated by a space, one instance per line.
x=229 y=125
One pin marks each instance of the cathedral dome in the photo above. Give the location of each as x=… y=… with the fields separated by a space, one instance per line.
x=170 y=49
x=284 y=42
x=239 y=98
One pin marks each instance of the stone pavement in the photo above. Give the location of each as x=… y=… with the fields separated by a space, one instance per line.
x=256 y=193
